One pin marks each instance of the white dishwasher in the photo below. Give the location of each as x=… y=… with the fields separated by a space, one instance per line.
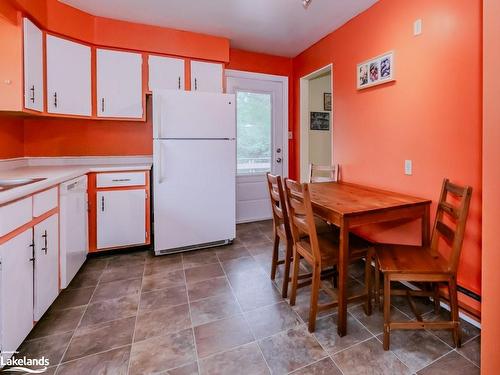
x=73 y=227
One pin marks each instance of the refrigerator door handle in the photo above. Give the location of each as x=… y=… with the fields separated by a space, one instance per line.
x=160 y=164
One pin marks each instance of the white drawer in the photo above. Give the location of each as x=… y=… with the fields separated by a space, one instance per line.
x=44 y=201
x=15 y=215
x=121 y=179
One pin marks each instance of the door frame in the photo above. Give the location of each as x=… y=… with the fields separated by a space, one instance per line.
x=283 y=80
x=304 y=119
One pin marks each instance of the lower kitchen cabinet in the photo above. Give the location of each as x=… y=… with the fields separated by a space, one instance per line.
x=46 y=240
x=16 y=291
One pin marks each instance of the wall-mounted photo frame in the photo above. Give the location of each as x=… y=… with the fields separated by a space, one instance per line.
x=375 y=71
x=320 y=121
x=327 y=101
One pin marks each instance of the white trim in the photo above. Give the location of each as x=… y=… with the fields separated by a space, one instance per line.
x=273 y=78
x=304 y=119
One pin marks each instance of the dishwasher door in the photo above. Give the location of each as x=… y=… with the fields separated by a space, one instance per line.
x=73 y=228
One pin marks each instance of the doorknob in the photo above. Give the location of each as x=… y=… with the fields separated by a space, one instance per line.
x=278 y=150
x=278 y=160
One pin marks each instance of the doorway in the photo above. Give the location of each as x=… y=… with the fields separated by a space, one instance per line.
x=316 y=122
x=261 y=139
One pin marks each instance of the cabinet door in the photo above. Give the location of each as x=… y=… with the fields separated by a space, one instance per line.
x=68 y=77
x=33 y=66
x=16 y=291
x=121 y=218
x=166 y=73
x=119 y=84
x=46 y=238
x=206 y=76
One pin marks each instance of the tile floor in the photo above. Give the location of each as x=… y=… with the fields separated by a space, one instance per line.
x=217 y=312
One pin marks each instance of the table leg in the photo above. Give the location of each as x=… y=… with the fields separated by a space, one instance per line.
x=426 y=226
x=343 y=265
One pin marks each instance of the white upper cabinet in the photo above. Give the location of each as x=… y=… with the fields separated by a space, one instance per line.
x=119 y=84
x=33 y=66
x=166 y=73
x=206 y=76
x=69 y=77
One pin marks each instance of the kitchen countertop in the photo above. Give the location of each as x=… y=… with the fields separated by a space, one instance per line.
x=54 y=175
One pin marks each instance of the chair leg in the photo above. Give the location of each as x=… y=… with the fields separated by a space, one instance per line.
x=313 y=307
x=368 y=282
x=286 y=276
x=377 y=286
x=457 y=333
x=274 y=263
x=387 y=311
x=295 y=276
x=437 y=302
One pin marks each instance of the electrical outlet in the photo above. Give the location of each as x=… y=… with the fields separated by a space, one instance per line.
x=417 y=27
x=408 y=167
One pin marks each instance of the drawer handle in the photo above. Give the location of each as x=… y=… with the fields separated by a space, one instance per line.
x=102 y=204
x=179 y=85
x=32 y=89
x=195 y=84
x=102 y=105
x=120 y=179
x=45 y=248
x=55 y=100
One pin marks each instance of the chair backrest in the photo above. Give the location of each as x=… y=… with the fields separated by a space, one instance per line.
x=301 y=215
x=278 y=203
x=323 y=173
x=455 y=213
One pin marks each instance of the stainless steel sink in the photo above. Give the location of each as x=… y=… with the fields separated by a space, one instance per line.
x=11 y=183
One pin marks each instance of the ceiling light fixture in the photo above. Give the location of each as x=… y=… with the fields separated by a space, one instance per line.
x=306 y=3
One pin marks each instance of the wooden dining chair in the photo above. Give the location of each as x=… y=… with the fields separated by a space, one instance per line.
x=425 y=264
x=281 y=230
x=320 y=251
x=323 y=173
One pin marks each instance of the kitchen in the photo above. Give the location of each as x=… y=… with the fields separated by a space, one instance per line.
x=138 y=229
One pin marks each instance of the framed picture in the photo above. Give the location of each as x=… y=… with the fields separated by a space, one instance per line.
x=327 y=101
x=375 y=71
x=320 y=121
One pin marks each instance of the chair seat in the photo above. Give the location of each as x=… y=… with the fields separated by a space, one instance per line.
x=410 y=259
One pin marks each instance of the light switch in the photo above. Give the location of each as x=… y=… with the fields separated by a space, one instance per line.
x=417 y=27
x=408 y=167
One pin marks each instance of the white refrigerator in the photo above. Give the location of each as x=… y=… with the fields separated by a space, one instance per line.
x=194 y=171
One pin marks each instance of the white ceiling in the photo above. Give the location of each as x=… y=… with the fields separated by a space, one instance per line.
x=280 y=27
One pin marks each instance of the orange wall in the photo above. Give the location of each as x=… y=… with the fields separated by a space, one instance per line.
x=490 y=360
x=431 y=114
x=11 y=137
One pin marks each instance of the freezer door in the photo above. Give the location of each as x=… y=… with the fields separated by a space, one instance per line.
x=199 y=115
x=194 y=192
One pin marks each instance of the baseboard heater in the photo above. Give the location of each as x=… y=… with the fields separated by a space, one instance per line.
x=195 y=247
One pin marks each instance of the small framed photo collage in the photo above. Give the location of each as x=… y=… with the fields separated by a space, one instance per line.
x=376 y=71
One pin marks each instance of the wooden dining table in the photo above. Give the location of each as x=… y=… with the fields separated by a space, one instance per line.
x=349 y=205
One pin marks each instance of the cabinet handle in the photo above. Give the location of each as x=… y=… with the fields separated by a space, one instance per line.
x=102 y=204
x=102 y=105
x=32 y=245
x=32 y=89
x=45 y=248
x=179 y=82
x=195 y=84
x=55 y=99
x=121 y=180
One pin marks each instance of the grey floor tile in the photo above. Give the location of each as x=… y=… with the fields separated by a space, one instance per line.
x=162 y=280
x=323 y=367
x=472 y=350
x=222 y=335
x=112 y=309
x=73 y=298
x=162 y=353
x=162 y=321
x=290 y=350
x=214 y=308
x=189 y=369
x=208 y=288
x=99 y=338
x=57 y=321
x=451 y=363
x=272 y=319
x=163 y=298
x=232 y=252
x=116 y=289
x=85 y=279
x=51 y=347
x=162 y=264
x=202 y=273
x=122 y=273
x=245 y=359
x=199 y=258
x=375 y=322
x=111 y=362
x=255 y=296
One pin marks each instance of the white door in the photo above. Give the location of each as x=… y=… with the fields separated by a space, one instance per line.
x=187 y=114
x=46 y=239
x=69 y=77
x=261 y=106
x=16 y=291
x=206 y=76
x=121 y=218
x=33 y=66
x=166 y=73
x=119 y=84
x=194 y=192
